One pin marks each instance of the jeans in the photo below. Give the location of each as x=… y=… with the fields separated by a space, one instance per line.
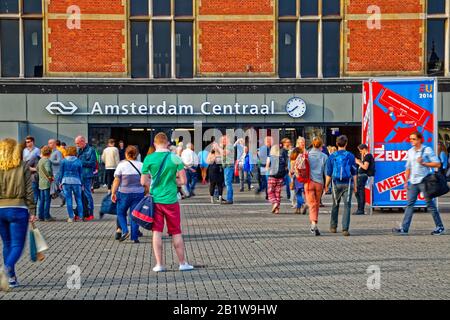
x=191 y=180
x=361 y=192
x=44 y=204
x=263 y=183
x=245 y=177
x=341 y=191
x=127 y=202
x=74 y=189
x=299 y=196
x=13 y=231
x=413 y=192
x=287 y=182
x=35 y=187
x=229 y=175
x=109 y=177
x=87 y=183
x=313 y=191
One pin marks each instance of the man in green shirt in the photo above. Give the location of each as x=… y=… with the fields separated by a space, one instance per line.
x=46 y=178
x=163 y=189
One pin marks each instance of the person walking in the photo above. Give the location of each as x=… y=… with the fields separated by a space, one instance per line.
x=56 y=158
x=342 y=174
x=245 y=169
x=421 y=161
x=121 y=150
x=277 y=166
x=46 y=178
x=70 y=178
x=228 y=167
x=297 y=157
x=111 y=159
x=191 y=161
x=366 y=169
x=202 y=157
x=88 y=158
x=287 y=146
x=16 y=206
x=31 y=155
x=215 y=174
x=164 y=193
x=127 y=192
x=314 y=188
x=443 y=157
x=263 y=153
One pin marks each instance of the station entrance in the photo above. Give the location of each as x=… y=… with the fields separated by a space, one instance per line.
x=142 y=135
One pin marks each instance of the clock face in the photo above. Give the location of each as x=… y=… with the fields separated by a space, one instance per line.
x=296 y=107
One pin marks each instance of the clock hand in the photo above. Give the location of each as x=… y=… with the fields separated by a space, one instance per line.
x=293 y=109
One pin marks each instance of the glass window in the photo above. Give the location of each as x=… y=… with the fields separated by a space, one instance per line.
x=436 y=6
x=183 y=7
x=161 y=49
x=9 y=43
x=435 y=47
x=139 y=7
x=309 y=8
x=308 y=49
x=9 y=6
x=161 y=7
x=32 y=6
x=331 y=7
x=184 y=52
x=286 y=49
x=287 y=8
x=331 y=48
x=33 y=48
x=139 y=49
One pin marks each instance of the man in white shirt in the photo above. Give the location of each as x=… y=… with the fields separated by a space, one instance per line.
x=421 y=161
x=111 y=159
x=191 y=161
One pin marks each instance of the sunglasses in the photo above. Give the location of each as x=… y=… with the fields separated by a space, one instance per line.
x=413 y=139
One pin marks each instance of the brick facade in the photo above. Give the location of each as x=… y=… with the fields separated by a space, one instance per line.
x=98 y=47
x=236 y=38
x=396 y=48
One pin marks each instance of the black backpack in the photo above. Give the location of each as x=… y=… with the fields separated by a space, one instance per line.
x=282 y=165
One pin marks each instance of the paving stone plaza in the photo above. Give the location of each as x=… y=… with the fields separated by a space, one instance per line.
x=242 y=251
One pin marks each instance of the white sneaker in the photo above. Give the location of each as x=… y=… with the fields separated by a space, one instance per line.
x=4 y=283
x=69 y=220
x=185 y=267
x=159 y=268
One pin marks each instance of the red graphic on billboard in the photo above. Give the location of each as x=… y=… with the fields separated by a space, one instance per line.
x=400 y=116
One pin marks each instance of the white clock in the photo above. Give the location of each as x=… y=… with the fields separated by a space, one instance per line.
x=296 y=107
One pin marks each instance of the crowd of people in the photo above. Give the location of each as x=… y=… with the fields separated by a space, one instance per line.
x=31 y=177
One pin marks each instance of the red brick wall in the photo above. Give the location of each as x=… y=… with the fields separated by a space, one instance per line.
x=97 y=47
x=87 y=6
x=230 y=47
x=215 y=7
x=395 y=48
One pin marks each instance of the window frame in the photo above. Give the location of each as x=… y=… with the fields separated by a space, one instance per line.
x=150 y=18
x=438 y=16
x=319 y=18
x=21 y=16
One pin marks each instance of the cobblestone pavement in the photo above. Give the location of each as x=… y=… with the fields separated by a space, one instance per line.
x=242 y=251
